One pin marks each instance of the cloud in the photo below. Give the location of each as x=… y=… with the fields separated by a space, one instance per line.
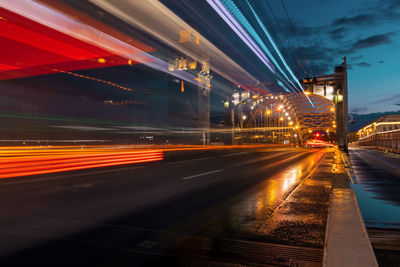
x=355 y=58
x=370 y=14
x=374 y=40
x=357 y=20
x=320 y=57
x=359 y=109
x=337 y=33
x=389 y=100
x=364 y=64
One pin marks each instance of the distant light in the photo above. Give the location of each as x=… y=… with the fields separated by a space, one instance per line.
x=281 y=118
x=244 y=117
x=332 y=109
x=340 y=98
x=171 y=67
x=291 y=123
x=101 y=60
x=226 y=104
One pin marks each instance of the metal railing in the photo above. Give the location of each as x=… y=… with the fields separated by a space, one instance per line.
x=388 y=141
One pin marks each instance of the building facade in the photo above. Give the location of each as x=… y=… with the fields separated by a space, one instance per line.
x=382 y=124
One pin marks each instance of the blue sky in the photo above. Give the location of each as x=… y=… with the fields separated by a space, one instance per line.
x=367 y=32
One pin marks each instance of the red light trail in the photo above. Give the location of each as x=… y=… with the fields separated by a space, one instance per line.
x=25 y=161
x=20 y=161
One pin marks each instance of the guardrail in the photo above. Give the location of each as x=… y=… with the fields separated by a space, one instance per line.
x=388 y=141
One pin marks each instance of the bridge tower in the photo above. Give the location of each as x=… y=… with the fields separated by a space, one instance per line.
x=334 y=87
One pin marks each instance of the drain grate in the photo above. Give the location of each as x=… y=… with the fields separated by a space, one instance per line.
x=240 y=252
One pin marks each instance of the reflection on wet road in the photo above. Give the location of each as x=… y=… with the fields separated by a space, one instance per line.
x=248 y=199
x=376 y=178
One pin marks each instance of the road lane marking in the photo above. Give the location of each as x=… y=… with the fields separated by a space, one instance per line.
x=188 y=160
x=200 y=174
x=234 y=154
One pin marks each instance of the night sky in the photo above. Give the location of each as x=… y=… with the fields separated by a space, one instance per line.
x=365 y=31
x=322 y=32
x=319 y=31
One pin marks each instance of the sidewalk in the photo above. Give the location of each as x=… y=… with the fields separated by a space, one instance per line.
x=323 y=212
x=346 y=240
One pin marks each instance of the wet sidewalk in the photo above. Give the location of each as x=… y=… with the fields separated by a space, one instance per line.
x=376 y=182
x=347 y=242
x=254 y=232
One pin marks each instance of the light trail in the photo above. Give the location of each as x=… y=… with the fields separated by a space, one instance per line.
x=67 y=25
x=243 y=21
x=277 y=50
x=271 y=40
x=16 y=161
x=235 y=18
x=26 y=161
x=238 y=29
x=148 y=15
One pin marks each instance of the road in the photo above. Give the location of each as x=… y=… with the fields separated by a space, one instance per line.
x=376 y=177
x=131 y=215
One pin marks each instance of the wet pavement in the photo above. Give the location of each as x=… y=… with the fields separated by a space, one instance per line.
x=376 y=177
x=281 y=223
x=256 y=207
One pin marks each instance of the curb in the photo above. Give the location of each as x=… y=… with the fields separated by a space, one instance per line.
x=346 y=238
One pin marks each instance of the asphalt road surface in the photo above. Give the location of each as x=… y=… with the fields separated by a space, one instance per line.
x=135 y=214
x=376 y=177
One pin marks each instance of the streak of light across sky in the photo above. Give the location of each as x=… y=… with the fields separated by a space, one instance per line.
x=236 y=21
x=143 y=15
x=148 y=15
x=67 y=25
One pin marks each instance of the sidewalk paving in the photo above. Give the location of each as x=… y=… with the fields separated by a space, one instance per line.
x=347 y=242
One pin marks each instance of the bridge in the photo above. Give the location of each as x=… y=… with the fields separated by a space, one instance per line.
x=285 y=118
x=179 y=133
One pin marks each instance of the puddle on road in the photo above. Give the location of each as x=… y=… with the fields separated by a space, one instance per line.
x=375 y=212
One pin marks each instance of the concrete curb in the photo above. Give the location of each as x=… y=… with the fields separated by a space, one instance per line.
x=346 y=238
